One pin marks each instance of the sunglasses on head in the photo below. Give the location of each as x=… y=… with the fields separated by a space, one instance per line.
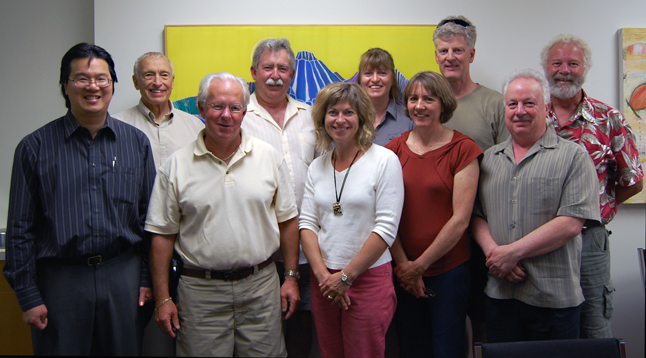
x=455 y=21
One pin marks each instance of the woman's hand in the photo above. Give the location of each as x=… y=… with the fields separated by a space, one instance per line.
x=418 y=289
x=408 y=273
x=335 y=290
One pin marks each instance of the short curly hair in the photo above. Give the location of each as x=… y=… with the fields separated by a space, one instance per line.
x=567 y=39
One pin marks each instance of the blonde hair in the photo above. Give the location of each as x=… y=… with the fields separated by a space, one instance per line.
x=344 y=91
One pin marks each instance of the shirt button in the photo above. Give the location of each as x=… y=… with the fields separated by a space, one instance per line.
x=513 y=226
x=94 y=187
x=514 y=178
x=219 y=162
x=513 y=201
x=96 y=210
x=93 y=164
x=227 y=172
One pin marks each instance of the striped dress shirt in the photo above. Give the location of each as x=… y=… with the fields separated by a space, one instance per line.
x=74 y=196
x=555 y=178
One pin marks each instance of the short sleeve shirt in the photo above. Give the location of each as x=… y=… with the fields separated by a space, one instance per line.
x=610 y=142
x=555 y=178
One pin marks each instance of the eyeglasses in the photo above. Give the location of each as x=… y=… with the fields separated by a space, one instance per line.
x=454 y=21
x=219 y=107
x=83 y=82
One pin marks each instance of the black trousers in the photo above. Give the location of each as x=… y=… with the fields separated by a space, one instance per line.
x=92 y=310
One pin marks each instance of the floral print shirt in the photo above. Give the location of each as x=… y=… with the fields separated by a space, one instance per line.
x=608 y=138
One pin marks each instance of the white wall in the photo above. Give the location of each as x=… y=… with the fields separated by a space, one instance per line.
x=510 y=35
x=35 y=34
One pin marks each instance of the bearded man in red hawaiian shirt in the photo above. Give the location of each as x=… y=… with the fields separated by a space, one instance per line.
x=605 y=134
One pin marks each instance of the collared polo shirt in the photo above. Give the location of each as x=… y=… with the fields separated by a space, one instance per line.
x=226 y=215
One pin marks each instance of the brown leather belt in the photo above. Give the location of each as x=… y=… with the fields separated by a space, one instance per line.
x=232 y=275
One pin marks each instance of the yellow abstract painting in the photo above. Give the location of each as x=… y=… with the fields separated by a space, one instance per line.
x=199 y=50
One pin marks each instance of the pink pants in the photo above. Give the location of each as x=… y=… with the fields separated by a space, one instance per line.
x=361 y=330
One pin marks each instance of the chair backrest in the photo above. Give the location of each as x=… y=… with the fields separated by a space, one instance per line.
x=566 y=348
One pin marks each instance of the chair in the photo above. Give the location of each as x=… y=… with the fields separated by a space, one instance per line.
x=566 y=348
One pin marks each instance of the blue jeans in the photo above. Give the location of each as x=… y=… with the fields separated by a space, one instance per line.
x=434 y=326
x=596 y=284
x=510 y=320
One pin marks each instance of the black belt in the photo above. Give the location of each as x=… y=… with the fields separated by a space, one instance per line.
x=93 y=260
x=590 y=224
x=232 y=275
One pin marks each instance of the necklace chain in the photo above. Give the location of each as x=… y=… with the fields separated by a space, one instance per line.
x=432 y=147
x=338 y=209
x=230 y=155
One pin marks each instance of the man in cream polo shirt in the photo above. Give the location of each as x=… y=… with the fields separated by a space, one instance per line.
x=228 y=200
x=167 y=127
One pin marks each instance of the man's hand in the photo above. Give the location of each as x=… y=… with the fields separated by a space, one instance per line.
x=36 y=317
x=145 y=295
x=501 y=260
x=517 y=274
x=167 y=318
x=289 y=296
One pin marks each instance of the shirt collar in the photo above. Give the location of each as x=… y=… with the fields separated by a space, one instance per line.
x=200 y=147
x=70 y=125
x=584 y=111
x=150 y=116
x=293 y=106
x=549 y=140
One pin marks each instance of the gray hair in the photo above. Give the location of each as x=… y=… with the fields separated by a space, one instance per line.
x=220 y=76
x=155 y=55
x=456 y=25
x=531 y=74
x=567 y=39
x=273 y=45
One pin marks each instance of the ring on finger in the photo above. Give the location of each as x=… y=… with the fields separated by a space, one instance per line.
x=330 y=297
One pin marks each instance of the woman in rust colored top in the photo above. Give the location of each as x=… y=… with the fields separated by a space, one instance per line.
x=440 y=168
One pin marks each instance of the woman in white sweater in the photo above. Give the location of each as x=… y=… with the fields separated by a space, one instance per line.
x=350 y=214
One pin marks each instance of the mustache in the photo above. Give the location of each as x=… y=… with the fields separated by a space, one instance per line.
x=559 y=77
x=272 y=82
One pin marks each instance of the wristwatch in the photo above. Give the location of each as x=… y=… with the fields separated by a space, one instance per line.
x=293 y=273
x=344 y=278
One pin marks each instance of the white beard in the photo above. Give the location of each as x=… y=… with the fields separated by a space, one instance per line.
x=565 y=90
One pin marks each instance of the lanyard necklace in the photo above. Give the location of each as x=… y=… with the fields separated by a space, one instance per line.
x=338 y=209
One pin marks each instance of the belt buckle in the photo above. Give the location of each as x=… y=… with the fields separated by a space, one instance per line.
x=207 y=274
x=94 y=260
x=227 y=275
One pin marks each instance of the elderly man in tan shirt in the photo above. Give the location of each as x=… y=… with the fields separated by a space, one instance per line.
x=167 y=127
x=225 y=204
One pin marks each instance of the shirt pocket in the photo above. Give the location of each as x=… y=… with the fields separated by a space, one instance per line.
x=543 y=196
x=123 y=184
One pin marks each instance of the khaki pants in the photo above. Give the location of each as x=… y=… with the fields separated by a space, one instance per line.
x=219 y=318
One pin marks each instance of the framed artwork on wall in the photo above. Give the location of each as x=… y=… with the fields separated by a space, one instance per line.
x=632 y=89
x=324 y=54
